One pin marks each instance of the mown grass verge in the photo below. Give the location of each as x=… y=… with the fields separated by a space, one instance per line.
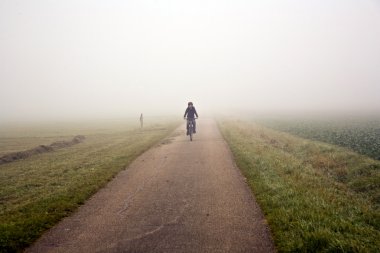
x=37 y=192
x=316 y=197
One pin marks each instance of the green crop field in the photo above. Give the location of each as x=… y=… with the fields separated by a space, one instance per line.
x=36 y=192
x=361 y=134
x=317 y=197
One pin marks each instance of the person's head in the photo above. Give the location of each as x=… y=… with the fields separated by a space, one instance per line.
x=190 y=104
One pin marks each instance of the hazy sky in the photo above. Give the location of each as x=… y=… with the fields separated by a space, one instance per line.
x=119 y=58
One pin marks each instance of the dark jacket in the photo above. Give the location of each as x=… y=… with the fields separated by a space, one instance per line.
x=190 y=112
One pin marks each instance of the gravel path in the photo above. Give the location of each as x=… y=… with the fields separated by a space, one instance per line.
x=179 y=196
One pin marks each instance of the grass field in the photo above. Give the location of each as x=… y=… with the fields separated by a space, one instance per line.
x=37 y=192
x=316 y=197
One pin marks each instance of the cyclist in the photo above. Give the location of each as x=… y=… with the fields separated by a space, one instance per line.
x=190 y=112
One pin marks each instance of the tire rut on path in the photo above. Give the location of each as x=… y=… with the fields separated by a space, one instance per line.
x=179 y=196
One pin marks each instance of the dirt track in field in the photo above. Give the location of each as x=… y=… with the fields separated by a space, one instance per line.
x=179 y=196
x=14 y=156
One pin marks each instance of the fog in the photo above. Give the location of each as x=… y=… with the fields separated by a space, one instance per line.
x=84 y=59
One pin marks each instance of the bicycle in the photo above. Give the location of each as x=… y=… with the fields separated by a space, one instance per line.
x=190 y=127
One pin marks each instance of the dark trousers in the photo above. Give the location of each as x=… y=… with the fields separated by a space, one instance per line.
x=194 y=124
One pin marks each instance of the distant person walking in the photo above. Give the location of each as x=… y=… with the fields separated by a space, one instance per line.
x=190 y=112
x=141 y=121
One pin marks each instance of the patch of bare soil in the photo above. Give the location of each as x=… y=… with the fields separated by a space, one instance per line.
x=11 y=157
